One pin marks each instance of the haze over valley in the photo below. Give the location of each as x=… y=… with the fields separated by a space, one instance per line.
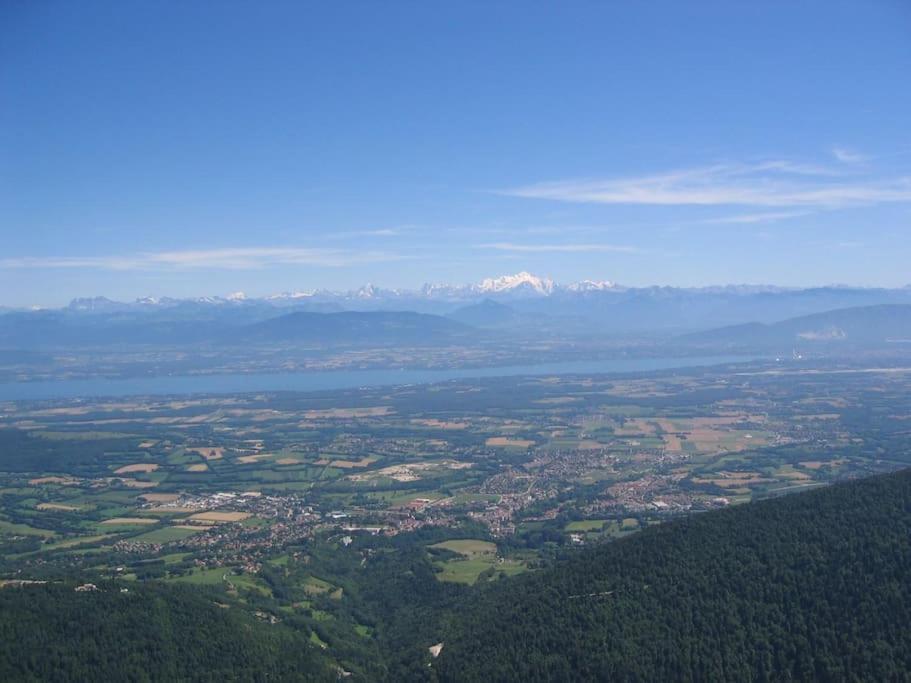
x=519 y=320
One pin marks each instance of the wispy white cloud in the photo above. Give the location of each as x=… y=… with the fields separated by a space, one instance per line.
x=89 y=262
x=521 y=230
x=848 y=156
x=380 y=232
x=235 y=258
x=558 y=248
x=777 y=183
x=762 y=217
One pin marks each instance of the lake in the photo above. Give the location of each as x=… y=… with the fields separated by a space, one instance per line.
x=329 y=379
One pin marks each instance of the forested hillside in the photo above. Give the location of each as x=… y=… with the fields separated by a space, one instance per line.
x=152 y=632
x=812 y=586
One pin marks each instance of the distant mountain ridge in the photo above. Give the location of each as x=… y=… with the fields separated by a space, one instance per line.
x=522 y=305
x=487 y=313
x=357 y=327
x=859 y=325
x=55 y=329
x=518 y=287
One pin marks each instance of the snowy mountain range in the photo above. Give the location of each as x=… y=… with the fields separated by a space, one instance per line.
x=523 y=305
x=518 y=287
x=524 y=299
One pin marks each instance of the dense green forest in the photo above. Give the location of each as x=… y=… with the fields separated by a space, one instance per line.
x=811 y=586
x=152 y=632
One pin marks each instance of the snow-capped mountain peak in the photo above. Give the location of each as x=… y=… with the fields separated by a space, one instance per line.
x=591 y=286
x=524 y=280
x=98 y=304
x=290 y=296
x=510 y=287
x=368 y=291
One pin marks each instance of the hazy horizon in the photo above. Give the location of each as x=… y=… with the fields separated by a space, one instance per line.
x=63 y=300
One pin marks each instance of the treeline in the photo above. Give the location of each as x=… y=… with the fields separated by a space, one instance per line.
x=85 y=457
x=153 y=632
x=814 y=586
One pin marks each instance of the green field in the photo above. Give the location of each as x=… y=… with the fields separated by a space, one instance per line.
x=587 y=525
x=315 y=586
x=476 y=557
x=470 y=548
x=12 y=529
x=206 y=577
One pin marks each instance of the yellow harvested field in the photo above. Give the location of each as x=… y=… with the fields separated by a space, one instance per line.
x=507 y=442
x=341 y=413
x=131 y=520
x=635 y=427
x=636 y=389
x=589 y=445
x=199 y=419
x=288 y=461
x=734 y=479
x=348 y=464
x=217 y=517
x=409 y=471
x=247 y=459
x=48 y=412
x=704 y=433
x=147 y=444
x=159 y=497
x=199 y=467
x=136 y=484
x=56 y=506
x=797 y=476
x=269 y=415
x=710 y=439
x=816 y=464
x=209 y=452
x=138 y=467
x=63 y=481
x=672 y=442
x=397 y=472
x=441 y=424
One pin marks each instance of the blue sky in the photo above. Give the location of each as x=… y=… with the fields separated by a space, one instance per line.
x=182 y=149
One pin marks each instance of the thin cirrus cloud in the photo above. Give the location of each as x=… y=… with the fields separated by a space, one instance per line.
x=382 y=232
x=761 y=217
x=765 y=184
x=848 y=156
x=559 y=248
x=249 y=258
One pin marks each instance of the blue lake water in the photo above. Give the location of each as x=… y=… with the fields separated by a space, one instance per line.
x=330 y=379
